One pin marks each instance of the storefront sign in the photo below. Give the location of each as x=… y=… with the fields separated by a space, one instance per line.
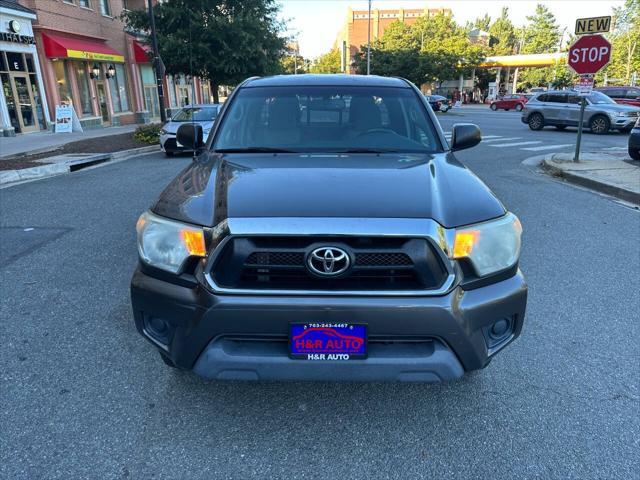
x=15 y=38
x=64 y=118
x=106 y=57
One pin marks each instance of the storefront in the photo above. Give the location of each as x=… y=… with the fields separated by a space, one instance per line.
x=151 y=104
x=23 y=107
x=88 y=74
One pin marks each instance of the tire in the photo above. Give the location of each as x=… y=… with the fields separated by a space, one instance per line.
x=561 y=127
x=168 y=153
x=635 y=154
x=536 y=121
x=519 y=107
x=626 y=130
x=493 y=107
x=167 y=361
x=599 y=125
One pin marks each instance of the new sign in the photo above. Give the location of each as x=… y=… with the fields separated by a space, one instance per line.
x=589 y=54
x=592 y=25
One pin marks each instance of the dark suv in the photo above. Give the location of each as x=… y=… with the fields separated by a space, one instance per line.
x=327 y=232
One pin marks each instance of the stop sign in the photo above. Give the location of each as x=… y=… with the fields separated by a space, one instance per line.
x=589 y=54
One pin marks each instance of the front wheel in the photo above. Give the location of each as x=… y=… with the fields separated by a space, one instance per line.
x=635 y=154
x=599 y=125
x=536 y=121
x=519 y=107
x=493 y=107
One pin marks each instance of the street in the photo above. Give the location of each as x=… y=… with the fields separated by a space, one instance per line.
x=85 y=396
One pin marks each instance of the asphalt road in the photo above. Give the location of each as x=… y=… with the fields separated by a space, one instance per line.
x=83 y=396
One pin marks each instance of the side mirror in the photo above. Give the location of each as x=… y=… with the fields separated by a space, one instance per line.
x=464 y=135
x=190 y=135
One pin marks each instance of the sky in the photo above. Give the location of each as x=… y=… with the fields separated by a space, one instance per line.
x=317 y=22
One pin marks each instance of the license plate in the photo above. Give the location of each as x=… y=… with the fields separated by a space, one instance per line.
x=328 y=341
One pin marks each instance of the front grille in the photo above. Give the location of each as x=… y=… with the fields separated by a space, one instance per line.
x=279 y=263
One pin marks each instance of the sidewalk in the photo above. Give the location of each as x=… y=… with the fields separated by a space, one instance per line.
x=45 y=141
x=611 y=172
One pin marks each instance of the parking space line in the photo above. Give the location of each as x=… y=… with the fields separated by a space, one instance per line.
x=500 y=139
x=504 y=145
x=547 y=147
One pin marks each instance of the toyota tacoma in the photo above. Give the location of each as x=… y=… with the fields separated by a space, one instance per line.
x=326 y=231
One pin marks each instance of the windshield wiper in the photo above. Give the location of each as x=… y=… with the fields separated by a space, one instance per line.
x=366 y=150
x=254 y=150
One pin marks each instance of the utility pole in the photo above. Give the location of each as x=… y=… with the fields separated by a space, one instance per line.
x=369 y=40
x=157 y=63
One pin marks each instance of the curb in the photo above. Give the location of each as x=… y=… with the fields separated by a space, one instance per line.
x=607 y=189
x=10 y=177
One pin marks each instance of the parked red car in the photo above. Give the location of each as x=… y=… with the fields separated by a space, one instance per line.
x=625 y=95
x=510 y=102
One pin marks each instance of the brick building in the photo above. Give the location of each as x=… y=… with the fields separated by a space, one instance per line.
x=87 y=59
x=354 y=32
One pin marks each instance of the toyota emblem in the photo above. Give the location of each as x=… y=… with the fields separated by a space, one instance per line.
x=328 y=261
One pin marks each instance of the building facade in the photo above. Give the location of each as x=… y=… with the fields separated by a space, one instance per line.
x=84 y=57
x=23 y=106
x=353 y=34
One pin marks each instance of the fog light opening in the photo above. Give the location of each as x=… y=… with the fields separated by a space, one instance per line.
x=158 y=329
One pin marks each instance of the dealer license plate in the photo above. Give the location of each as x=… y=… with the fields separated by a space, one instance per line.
x=328 y=341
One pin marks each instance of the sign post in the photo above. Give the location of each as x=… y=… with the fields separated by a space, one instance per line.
x=587 y=56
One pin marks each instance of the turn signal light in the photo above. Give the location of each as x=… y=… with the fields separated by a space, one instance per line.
x=194 y=241
x=464 y=242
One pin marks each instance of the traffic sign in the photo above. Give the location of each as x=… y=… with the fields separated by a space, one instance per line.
x=593 y=25
x=585 y=86
x=589 y=54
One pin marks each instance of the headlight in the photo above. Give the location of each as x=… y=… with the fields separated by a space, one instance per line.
x=166 y=244
x=490 y=246
x=163 y=132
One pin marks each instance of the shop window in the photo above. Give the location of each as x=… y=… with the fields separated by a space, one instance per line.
x=16 y=62
x=3 y=63
x=118 y=87
x=30 y=66
x=105 y=9
x=11 y=103
x=172 y=92
x=37 y=97
x=84 y=3
x=62 y=81
x=83 y=87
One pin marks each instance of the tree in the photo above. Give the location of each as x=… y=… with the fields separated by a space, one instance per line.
x=625 y=40
x=503 y=34
x=483 y=22
x=327 y=63
x=223 y=41
x=541 y=34
x=291 y=61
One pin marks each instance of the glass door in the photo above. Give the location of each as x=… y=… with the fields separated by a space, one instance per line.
x=102 y=102
x=24 y=102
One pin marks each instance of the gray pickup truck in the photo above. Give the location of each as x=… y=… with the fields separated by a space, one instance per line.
x=326 y=231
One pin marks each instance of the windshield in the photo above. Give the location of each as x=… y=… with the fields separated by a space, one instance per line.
x=330 y=119
x=598 y=98
x=195 y=114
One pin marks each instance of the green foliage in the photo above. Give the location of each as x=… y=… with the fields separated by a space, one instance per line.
x=288 y=64
x=149 y=133
x=625 y=42
x=503 y=34
x=541 y=35
x=432 y=49
x=224 y=41
x=482 y=23
x=327 y=63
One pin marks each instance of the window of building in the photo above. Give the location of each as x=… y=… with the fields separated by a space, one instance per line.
x=172 y=91
x=62 y=81
x=118 y=87
x=83 y=87
x=84 y=3
x=105 y=9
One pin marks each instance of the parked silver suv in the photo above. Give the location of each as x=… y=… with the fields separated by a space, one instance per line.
x=561 y=108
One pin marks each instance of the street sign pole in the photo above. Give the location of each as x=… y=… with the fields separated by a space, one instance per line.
x=157 y=63
x=583 y=104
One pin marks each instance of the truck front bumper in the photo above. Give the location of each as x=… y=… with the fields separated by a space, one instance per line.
x=409 y=338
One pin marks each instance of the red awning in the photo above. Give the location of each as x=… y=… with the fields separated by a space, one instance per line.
x=143 y=53
x=65 y=47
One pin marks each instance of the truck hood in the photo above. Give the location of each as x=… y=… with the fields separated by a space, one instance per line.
x=216 y=187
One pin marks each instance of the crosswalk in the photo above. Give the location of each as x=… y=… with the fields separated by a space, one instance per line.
x=499 y=141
